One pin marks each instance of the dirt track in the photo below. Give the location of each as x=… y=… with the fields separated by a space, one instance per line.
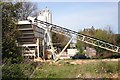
x=91 y=61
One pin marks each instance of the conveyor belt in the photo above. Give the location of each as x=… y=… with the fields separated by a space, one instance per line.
x=84 y=38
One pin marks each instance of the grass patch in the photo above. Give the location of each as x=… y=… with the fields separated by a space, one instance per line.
x=88 y=70
x=62 y=69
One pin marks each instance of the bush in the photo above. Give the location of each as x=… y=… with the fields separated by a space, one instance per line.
x=12 y=71
x=22 y=70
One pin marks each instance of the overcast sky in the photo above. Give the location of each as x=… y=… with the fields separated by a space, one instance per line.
x=80 y=15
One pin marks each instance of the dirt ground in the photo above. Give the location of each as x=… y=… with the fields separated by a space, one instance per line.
x=92 y=61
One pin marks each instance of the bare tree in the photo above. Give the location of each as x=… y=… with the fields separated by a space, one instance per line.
x=28 y=9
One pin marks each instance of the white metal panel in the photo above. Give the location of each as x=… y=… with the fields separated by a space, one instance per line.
x=26 y=45
x=23 y=22
x=71 y=52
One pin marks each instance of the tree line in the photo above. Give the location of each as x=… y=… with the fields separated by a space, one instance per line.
x=104 y=35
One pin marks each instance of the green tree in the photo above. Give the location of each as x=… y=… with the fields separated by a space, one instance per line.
x=59 y=40
x=10 y=31
x=103 y=35
x=117 y=39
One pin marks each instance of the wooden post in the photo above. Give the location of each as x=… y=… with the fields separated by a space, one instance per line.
x=38 y=47
x=43 y=45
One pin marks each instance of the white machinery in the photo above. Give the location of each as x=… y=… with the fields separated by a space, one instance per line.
x=35 y=38
x=45 y=23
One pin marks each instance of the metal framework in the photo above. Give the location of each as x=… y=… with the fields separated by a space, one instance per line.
x=34 y=37
x=81 y=37
x=31 y=39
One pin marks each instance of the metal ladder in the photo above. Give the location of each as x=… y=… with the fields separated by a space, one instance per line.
x=82 y=37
